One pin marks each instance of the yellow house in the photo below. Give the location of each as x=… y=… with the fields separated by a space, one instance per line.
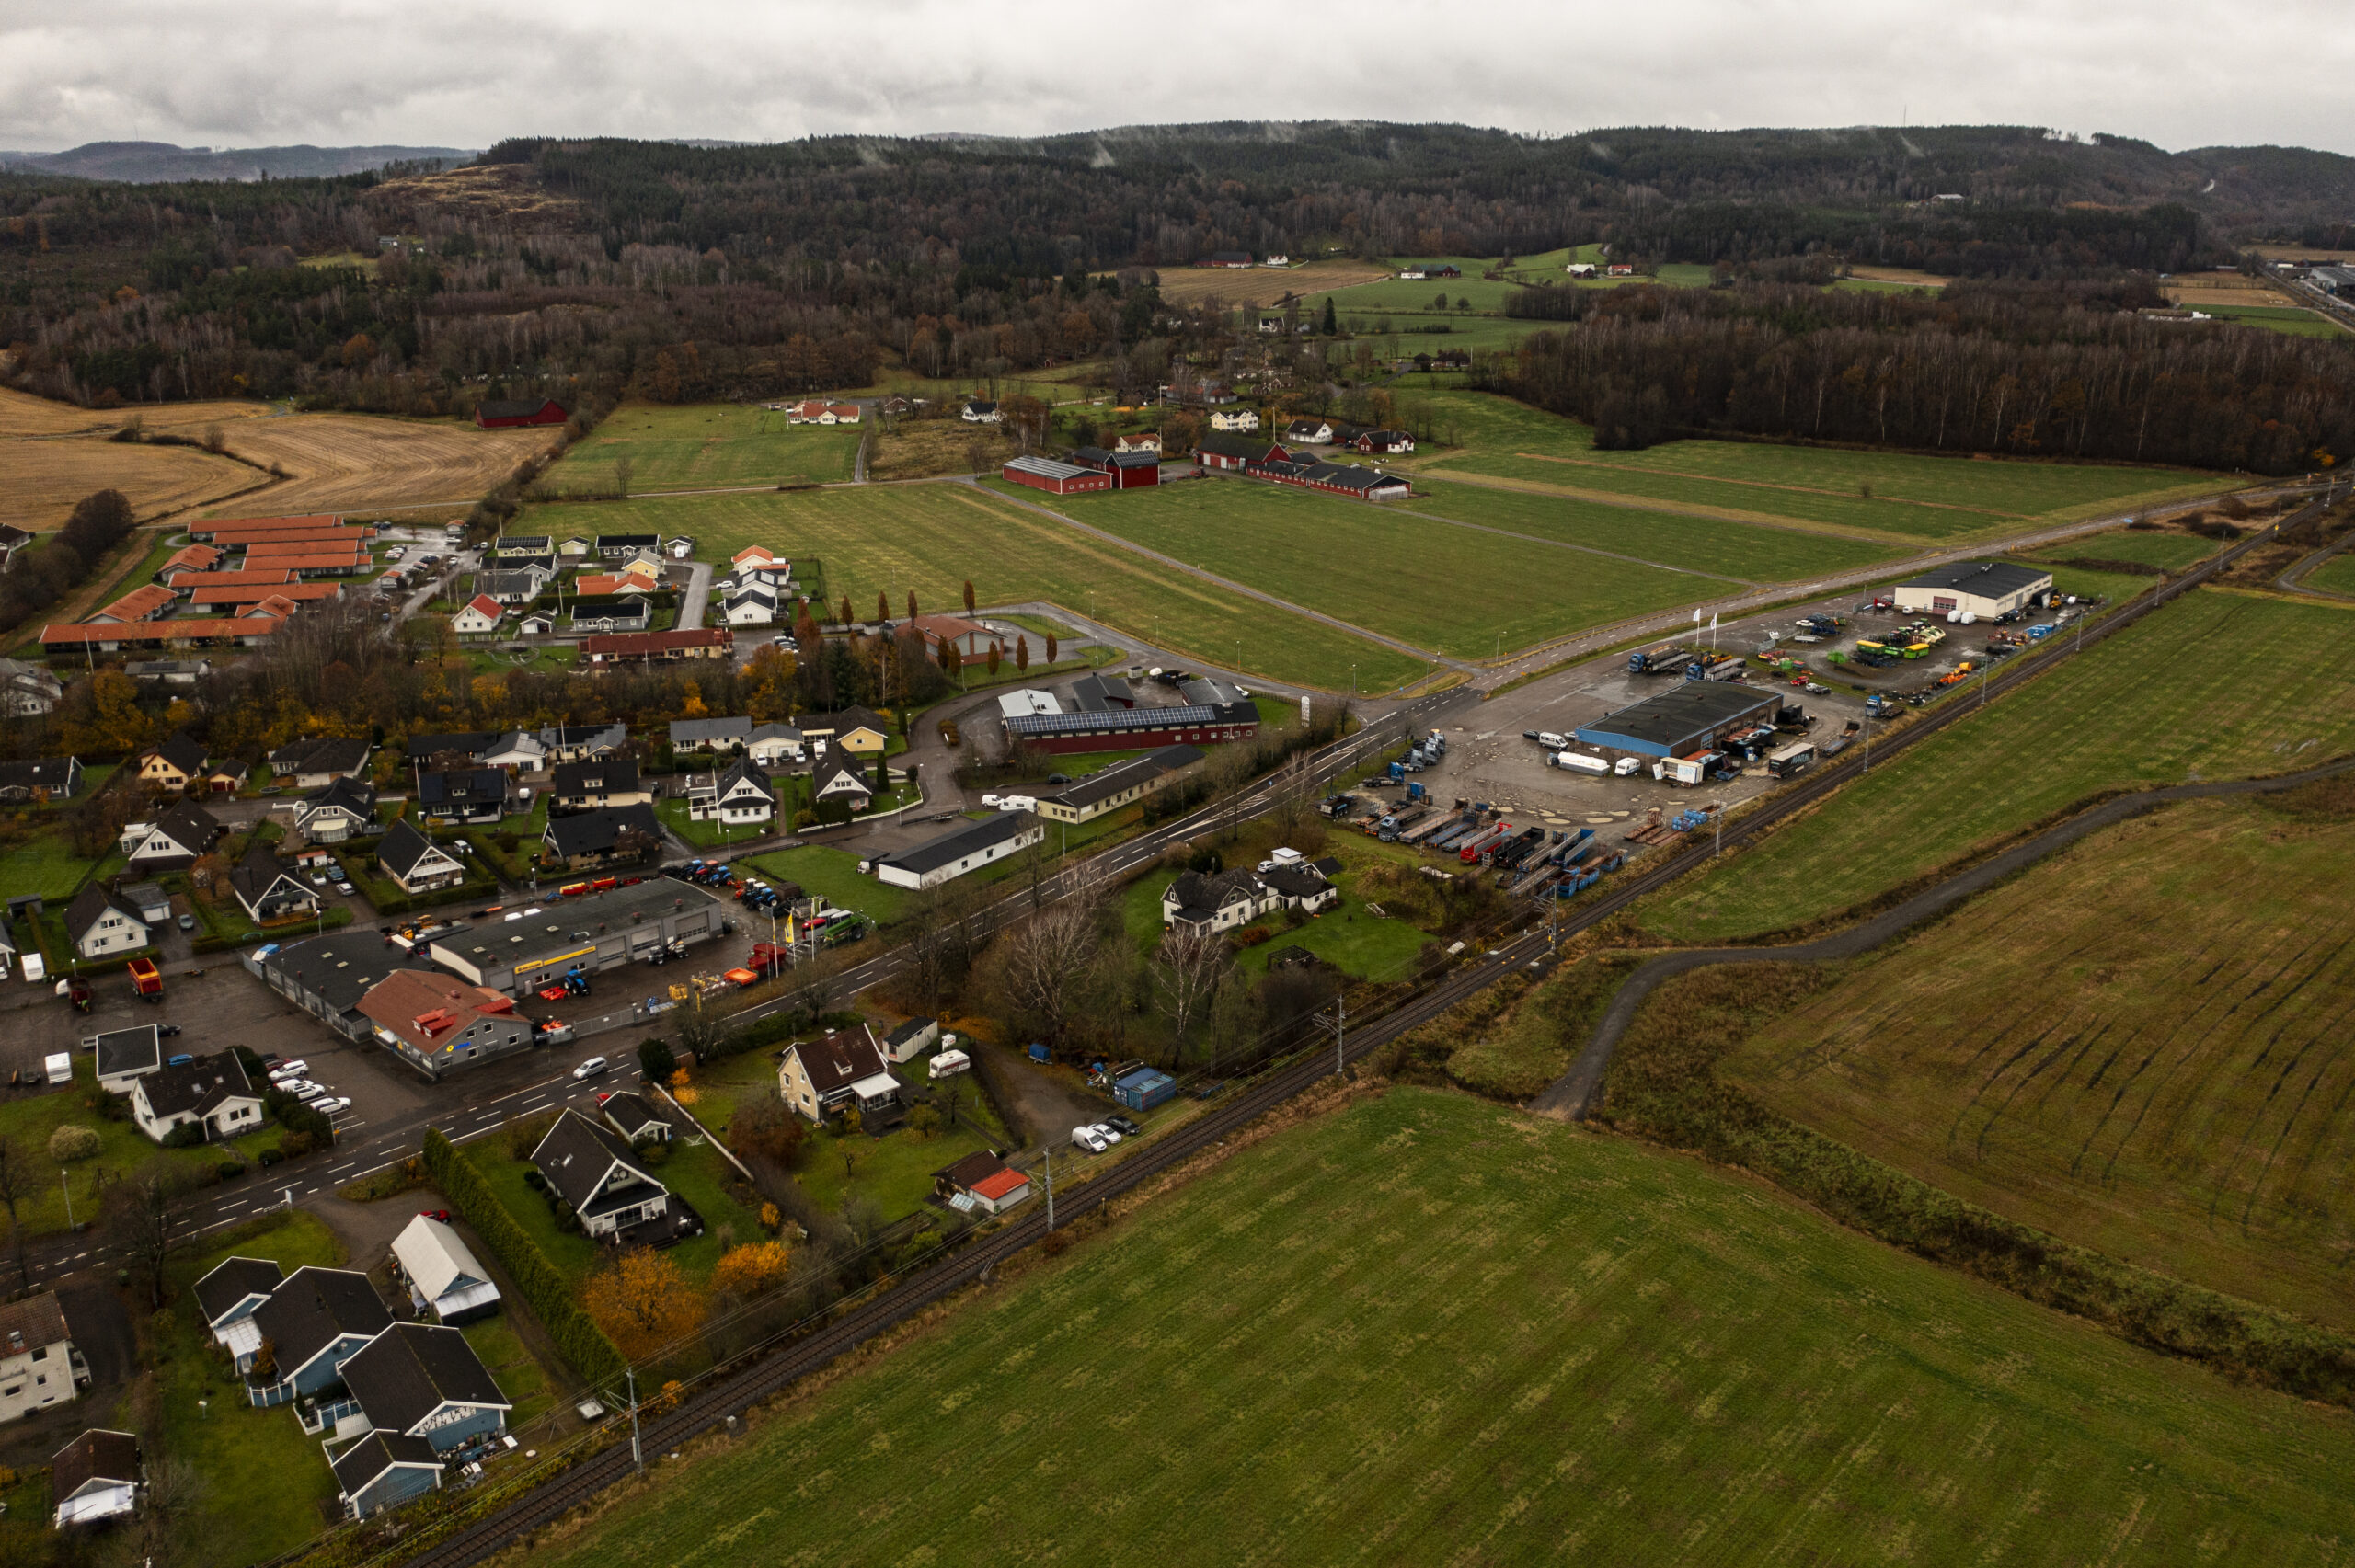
x=173 y=766
x=859 y=731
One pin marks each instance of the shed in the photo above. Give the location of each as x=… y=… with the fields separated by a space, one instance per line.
x=1142 y=1088
x=443 y=1273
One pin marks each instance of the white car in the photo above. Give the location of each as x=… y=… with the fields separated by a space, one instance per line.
x=303 y=1089
x=1089 y=1139
x=333 y=1105
x=593 y=1067
x=1108 y=1132
x=287 y=1071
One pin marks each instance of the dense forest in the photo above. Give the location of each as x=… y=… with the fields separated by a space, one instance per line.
x=582 y=269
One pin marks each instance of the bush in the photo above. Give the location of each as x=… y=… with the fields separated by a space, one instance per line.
x=187 y=1135
x=652 y=1150
x=271 y=1157
x=294 y=1145
x=534 y=1181
x=69 y=1143
x=657 y=1060
x=229 y=1169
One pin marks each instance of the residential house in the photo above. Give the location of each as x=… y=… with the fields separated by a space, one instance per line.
x=1300 y=886
x=227 y=1296
x=911 y=1040
x=981 y=1181
x=443 y=751
x=1109 y=789
x=859 y=731
x=168 y=671
x=583 y=742
x=123 y=1056
x=461 y=795
x=382 y=1470
x=1215 y=900
x=750 y=607
x=634 y=1117
x=1275 y=258
x=341 y=810
x=697 y=735
x=267 y=889
x=317 y=1319
x=609 y=585
x=840 y=778
x=95 y=1478
x=40 y=778
x=536 y=624
x=585 y=786
x=621 y=546
x=99 y=922
x=521 y=749
x=416 y=863
x=700 y=642
x=775 y=745
x=319 y=762
x=845 y=1070
x=481 y=616
x=425 y=1381
x=738 y=794
x=511 y=588
x=528 y=545
x=27 y=691
x=155 y=905
x=966 y=847
x=172 y=765
x=1141 y=441
x=222 y=777
x=682 y=548
x=443 y=1274
x=589 y=839
x=209 y=1091
x=597 y=1174
x=1235 y=421
x=1309 y=432
x=622 y=617
x=969 y=638
x=436 y=1021
x=978 y=411
x=38 y=1362
x=173 y=839
x=574 y=548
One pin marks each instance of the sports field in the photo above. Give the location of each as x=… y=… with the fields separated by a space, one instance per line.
x=1896 y=495
x=934 y=538
x=1751 y=552
x=1454 y=589
x=2139 y=1046
x=2215 y=685
x=1429 y=1330
x=703 y=445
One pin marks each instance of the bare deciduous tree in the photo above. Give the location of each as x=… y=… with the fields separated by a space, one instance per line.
x=146 y=1215
x=1188 y=971
x=17 y=1178
x=1042 y=959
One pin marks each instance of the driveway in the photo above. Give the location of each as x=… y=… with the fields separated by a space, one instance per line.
x=1044 y=1103
x=695 y=596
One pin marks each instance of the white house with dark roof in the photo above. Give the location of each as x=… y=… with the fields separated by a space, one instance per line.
x=100 y=922
x=423 y=1381
x=1216 y=901
x=596 y=1174
x=211 y=1091
x=840 y=777
x=738 y=794
x=171 y=840
x=343 y=809
x=268 y=889
x=126 y=1056
x=634 y=1117
x=95 y=1478
x=689 y=734
x=844 y=1071
x=774 y=746
x=416 y=863
x=318 y=761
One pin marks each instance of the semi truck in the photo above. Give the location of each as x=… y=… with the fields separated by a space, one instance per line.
x=1659 y=661
x=1472 y=849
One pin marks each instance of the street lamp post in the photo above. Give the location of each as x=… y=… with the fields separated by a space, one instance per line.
x=65 y=1180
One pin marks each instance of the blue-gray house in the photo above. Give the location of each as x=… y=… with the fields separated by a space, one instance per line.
x=315 y=1323
x=230 y=1293
x=419 y=1380
x=383 y=1469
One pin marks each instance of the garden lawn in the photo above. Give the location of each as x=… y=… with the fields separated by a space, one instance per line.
x=264 y=1482
x=895 y=1170
x=2216 y=684
x=697 y=445
x=46 y=865
x=1426 y=1325
x=935 y=537
x=2334 y=576
x=835 y=873
x=2135 y=1045
x=1912 y=497
x=512 y=1366
x=1456 y=590
x=1748 y=551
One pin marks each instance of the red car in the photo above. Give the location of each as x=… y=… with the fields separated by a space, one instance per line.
x=441 y=1214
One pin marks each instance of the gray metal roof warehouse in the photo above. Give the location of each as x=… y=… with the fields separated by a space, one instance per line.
x=328 y=975
x=1685 y=718
x=525 y=949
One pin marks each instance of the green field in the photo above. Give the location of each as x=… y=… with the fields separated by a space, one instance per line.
x=1400 y=334
x=696 y=1173
x=2216 y=685
x=835 y=873
x=2291 y=319
x=700 y=445
x=1429 y=1330
x=1750 y=551
x=1454 y=589
x=2137 y=1045
x=935 y=537
x=2172 y=551
x=2334 y=576
x=1912 y=497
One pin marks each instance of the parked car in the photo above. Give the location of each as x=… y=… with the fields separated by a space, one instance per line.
x=188 y=922
x=1088 y=1138
x=287 y=1072
x=441 y=1214
x=1108 y=1132
x=1122 y=1126
x=318 y=879
x=168 y=1030
x=595 y=1067
x=303 y=1089
x=333 y=1105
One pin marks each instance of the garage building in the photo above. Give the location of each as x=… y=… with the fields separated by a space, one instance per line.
x=1113 y=787
x=1056 y=477
x=1986 y=588
x=1121 y=729
x=961 y=848
x=536 y=947
x=1690 y=717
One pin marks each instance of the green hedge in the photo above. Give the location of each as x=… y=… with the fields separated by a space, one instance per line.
x=545 y=1285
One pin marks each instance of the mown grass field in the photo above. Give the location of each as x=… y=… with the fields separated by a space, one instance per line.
x=1403 y=334
x=695 y=445
x=1426 y=1328
x=2334 y=576
x=1746 y=551
x=2215 y=685
x=1451 y=589
x=2289 y=319
x=934 y=538
x=2138 y=1046
x=2171 y=551
x=1910 y=497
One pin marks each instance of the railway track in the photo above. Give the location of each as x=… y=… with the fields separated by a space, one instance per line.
x=733 y=1391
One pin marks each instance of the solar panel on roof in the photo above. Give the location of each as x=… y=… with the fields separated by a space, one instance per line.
x=1134 y=718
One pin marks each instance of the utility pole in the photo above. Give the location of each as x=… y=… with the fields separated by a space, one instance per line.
x=637 y=1459
x=1050 y=1188
x=1340 y=1031
x=65 y=1180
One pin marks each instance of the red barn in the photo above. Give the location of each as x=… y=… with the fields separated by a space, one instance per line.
x=507 y=415
x=1055 y=479
x=1132 y=470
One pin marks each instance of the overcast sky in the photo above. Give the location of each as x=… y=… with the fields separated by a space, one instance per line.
x=420 y=73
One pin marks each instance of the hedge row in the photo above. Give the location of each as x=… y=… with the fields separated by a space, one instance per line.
x=546 y=1287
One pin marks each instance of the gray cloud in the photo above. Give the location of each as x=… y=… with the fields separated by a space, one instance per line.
x=437 y=72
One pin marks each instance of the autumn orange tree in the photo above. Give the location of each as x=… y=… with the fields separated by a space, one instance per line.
x=643 y=1302
x=751 y=1269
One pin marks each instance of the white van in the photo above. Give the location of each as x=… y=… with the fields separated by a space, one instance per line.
x=1551 y=742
